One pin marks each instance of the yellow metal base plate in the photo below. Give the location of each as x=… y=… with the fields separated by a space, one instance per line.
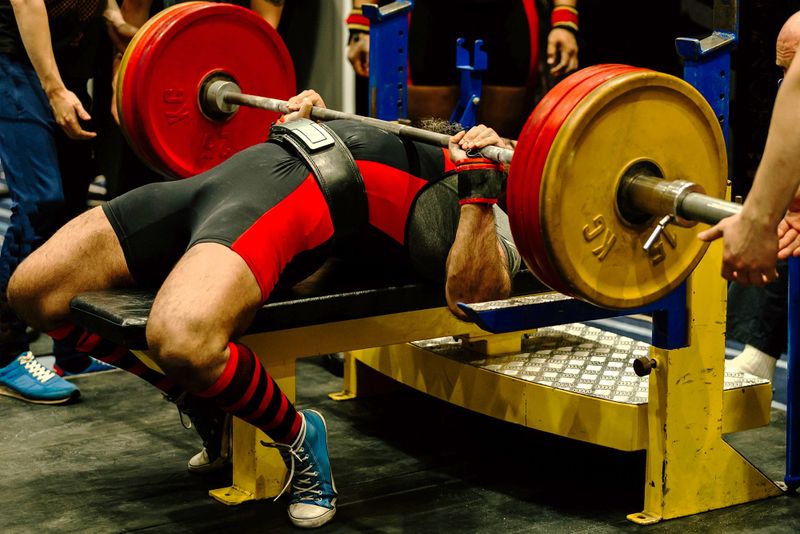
x=578 y=358
x=231 y=495
x=572 y=380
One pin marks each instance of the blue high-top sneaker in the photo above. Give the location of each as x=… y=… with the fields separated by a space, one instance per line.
x=313 y=494
x=27 y=379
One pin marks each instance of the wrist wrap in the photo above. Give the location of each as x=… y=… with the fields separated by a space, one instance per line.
x=565 y=17
x=480 y=181
x=356 y=21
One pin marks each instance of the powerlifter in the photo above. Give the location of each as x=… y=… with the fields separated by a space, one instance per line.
x=216 y=246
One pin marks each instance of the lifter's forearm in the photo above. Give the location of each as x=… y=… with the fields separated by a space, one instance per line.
x=476 y=268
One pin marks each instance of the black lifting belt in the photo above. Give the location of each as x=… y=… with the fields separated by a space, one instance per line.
x=334 y=168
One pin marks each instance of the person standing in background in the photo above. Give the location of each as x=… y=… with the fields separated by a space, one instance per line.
x=46 y=57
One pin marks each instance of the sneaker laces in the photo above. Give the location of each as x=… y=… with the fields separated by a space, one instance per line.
x=176 y=401
x=184 y=424
x=35 y=368
x=303 y=479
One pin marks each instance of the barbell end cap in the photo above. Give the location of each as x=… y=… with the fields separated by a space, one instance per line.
x=212 y=99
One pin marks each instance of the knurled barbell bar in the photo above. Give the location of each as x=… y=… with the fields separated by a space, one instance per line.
x=221 y=97
x=608 y=177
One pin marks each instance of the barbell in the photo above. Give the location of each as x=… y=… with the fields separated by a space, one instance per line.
x=611 y=171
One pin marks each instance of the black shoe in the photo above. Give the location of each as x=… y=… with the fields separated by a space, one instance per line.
x=214 y=427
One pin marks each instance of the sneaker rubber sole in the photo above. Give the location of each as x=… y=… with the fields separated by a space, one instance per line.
x=313 y=523
x=7 y=392
x=84 y=375
x=200 y=463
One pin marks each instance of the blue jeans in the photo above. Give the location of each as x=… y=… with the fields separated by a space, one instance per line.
x=757 y=316
x=28 y=150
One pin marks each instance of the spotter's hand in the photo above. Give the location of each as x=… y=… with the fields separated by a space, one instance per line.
x=358 y=54
x=789 y=230
x=749 y=249
x=69 y=112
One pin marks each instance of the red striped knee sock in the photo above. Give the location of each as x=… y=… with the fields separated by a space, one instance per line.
x=112 y=354
x=246 y=390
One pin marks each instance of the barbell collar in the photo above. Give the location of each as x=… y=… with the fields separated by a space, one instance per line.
x=655 y=196
x=219 y=95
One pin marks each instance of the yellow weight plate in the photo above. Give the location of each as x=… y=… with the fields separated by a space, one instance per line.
x=642 y=116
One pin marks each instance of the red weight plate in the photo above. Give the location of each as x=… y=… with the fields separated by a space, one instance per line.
x=126 y=80
x=123 y=80
x=138 y=128
x=549 y=130
x=176 y=56
x=128 y=102
x=522 y=193
x=523 y=190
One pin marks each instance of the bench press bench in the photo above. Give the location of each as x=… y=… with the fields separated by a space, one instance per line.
x=354 y=311
x=681 y=420
x=120 y=315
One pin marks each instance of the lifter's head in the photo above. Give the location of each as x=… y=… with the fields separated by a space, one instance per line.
x=787 y=42
x=441 y=126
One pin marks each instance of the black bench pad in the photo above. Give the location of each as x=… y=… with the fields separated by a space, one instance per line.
x=120 y=315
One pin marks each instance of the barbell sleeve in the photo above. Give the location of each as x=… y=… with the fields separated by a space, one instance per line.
x=706 y=209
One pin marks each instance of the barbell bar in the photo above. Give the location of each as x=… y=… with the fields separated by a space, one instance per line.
x=223 y=97
x=612 y=169
x=685 y=201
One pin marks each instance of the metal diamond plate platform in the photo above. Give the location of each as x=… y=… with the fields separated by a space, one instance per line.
x=573 y=357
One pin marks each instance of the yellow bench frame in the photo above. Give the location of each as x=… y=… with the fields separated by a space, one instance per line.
x=689 y=467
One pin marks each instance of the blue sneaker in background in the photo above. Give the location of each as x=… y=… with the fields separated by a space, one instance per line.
x=27 y=379
x=94 y=367
x=313 y=494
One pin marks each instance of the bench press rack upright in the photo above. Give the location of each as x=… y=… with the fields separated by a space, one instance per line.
x=690 y=405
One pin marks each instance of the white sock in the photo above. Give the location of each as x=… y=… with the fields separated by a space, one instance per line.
x=753 y=361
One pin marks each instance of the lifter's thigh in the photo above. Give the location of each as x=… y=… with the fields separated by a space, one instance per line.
x=208 y=299
x=84 y=255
